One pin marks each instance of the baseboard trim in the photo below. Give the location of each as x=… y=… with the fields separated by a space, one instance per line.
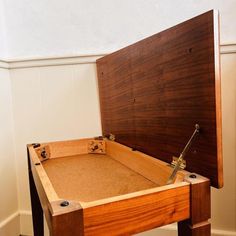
x=163 y=231
x=170 y=230
x=10 y=225
x=20 y=223
x=9 y=219
x=26 y=226
x=217 y=232
x=18 y=63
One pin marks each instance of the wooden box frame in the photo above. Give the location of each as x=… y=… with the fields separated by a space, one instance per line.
x=187 y=199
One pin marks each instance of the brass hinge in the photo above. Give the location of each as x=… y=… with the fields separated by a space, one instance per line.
x=97 y=146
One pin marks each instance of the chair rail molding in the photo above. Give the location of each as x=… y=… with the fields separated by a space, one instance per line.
x=228 y=48
x=15 y=63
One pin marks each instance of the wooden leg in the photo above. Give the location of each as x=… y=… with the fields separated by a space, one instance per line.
x=37 y=211
x=200 y=208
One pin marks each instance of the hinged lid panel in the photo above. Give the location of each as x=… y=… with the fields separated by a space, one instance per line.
x=153 y=92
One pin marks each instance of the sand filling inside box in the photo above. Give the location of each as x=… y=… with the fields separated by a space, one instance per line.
x=92 y=177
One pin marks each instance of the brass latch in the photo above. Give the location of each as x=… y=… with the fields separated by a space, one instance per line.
x=180 y=163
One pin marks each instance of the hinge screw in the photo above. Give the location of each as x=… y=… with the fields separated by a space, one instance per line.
x=44 y=153
x=35 y=145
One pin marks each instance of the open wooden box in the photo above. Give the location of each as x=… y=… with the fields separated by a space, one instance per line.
x=152 y=94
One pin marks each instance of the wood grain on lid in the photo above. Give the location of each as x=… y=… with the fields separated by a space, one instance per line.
x=153 y=92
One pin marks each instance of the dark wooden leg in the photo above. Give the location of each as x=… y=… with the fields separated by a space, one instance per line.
x=37 y=211
x=200 y=209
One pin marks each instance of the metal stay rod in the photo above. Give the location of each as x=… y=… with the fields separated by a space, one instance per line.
x=183 y=154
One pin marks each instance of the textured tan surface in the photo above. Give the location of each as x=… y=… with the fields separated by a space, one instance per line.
x=91 y=177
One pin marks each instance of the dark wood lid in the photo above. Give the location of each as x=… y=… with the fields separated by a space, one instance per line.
x=153 y=92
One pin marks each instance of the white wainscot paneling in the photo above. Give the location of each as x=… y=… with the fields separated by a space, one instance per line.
x=8 y=183
x=224 y=200
x=52 y=103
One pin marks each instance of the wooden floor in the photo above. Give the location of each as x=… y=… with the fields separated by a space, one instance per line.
x=92 y=177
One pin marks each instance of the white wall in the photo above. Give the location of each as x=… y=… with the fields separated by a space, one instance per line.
x=49 y=28
x=8 y=193
x=3 y=36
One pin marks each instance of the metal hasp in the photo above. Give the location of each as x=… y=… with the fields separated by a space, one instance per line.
x=177 y=164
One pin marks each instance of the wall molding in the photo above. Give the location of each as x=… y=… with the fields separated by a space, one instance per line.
x=26 y=227
x=4 y=64
x=25 y=218
x=49 y=61
x=11 y=225
x=9 y=219
x=54 y=61
x=228 y=48
x=21 y=220
x=214 y=232
x=21 y=223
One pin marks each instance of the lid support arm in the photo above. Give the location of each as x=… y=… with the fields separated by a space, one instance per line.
x=183 y=154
